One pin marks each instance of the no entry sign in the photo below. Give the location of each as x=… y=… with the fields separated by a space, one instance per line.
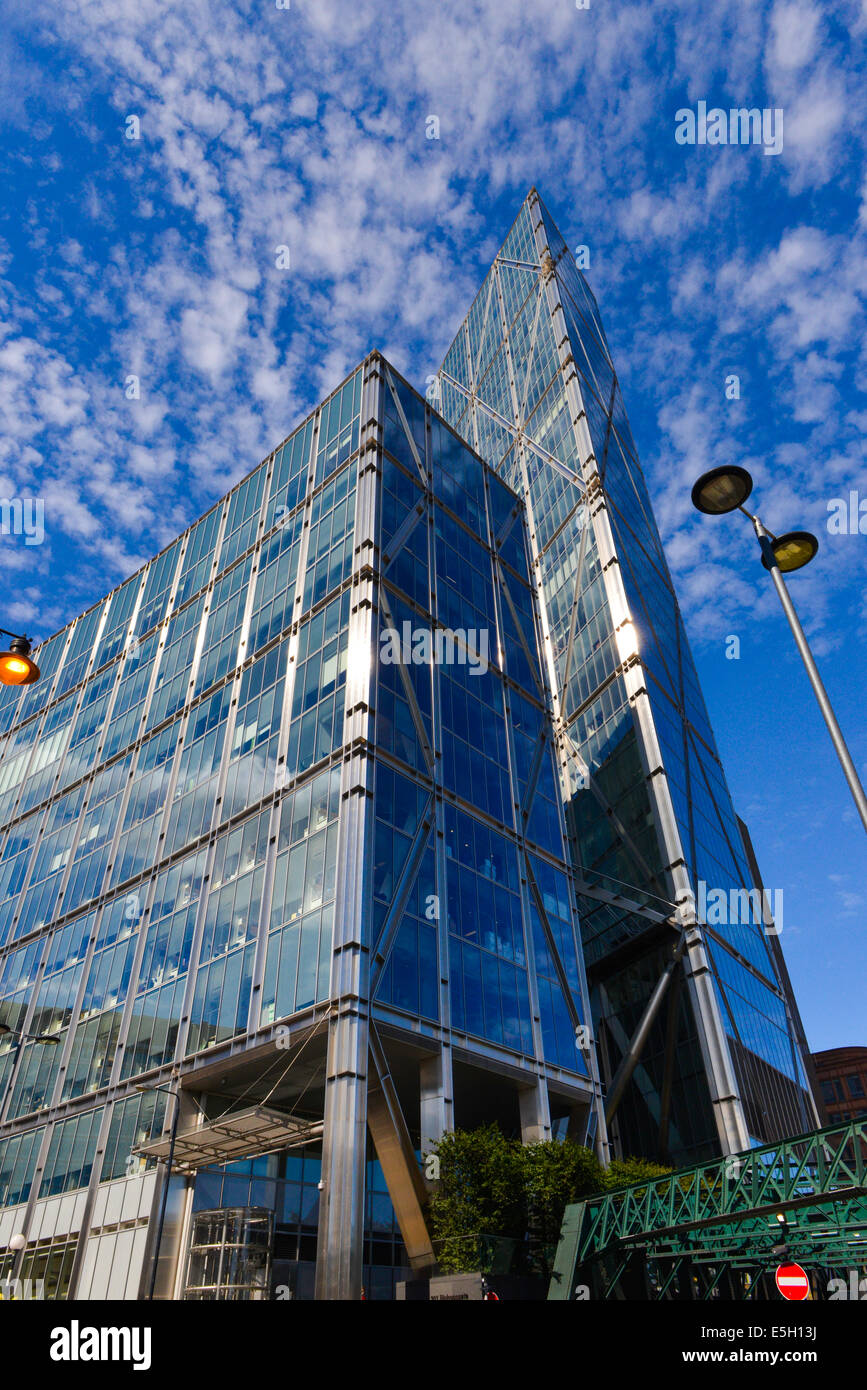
x=792 y=1282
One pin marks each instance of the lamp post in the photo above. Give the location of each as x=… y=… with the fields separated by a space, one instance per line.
x=44 y=1040
x=165 y=1192
x=725 y=490
x=16 y=667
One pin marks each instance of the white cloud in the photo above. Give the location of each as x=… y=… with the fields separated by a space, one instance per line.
x=794 y=34
x=307 y=127
x=816 y=126
x=209 y=332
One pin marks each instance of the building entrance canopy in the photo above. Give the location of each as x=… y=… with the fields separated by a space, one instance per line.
x=242 y=1134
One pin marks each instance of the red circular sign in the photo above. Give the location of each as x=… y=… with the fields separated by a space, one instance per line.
x=792 y=1282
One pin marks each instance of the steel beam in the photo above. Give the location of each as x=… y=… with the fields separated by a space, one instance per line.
x=396 y=1154
x=636 y=1043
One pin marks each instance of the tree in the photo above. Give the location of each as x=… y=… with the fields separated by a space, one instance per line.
x=555 y=1174
x=491 y=1186
x=480 y=1193
x=493 y=1190
x=625 y=1172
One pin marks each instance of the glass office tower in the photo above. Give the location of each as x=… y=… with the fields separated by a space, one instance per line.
x=665 y=886
x=283 y=863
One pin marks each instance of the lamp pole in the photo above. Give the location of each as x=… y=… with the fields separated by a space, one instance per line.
x=725 y=490
x=44 y=1040
x=821 y=694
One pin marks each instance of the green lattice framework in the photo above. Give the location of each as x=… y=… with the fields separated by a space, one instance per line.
x=726 y=1214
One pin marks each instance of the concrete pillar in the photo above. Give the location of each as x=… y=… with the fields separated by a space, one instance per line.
x=340 y=1242
x=437 y=1104
x=535 y=1113
x=344 y=1150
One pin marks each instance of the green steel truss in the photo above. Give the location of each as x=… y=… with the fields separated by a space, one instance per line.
x=724 y=1216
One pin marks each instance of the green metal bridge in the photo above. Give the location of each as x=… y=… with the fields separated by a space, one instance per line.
x=720 y=1229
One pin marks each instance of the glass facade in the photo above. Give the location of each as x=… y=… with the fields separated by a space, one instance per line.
x=530 y=383
x=287 y=1187
x=465 y=755
x=174 y=793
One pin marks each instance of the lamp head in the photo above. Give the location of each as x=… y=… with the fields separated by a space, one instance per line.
x=722 y=490
x=793 y=551
x=16 y=667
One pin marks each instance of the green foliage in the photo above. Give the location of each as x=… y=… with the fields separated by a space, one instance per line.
x=480 y=1193
x=500 y=1203
x=491 y=1186
x=556 y=1174
x=624 y=1172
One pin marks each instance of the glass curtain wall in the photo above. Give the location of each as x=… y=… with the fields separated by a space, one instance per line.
x=530 y=382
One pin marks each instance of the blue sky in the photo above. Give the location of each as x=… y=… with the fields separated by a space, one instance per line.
x=305 y=128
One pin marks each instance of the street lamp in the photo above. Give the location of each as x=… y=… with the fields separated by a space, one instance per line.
x=44 y=1040
x=165 y=1192
x=782 y=1249
x=16 y=667
x=725 y=490
x=722 y=490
